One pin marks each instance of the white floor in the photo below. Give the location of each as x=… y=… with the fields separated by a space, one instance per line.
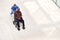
x=42 y=20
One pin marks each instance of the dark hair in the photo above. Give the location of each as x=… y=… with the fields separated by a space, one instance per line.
x=14 y=4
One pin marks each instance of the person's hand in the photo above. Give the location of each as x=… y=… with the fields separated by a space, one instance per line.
x=11 y=13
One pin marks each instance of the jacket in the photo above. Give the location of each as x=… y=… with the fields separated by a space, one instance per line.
x=18 y=15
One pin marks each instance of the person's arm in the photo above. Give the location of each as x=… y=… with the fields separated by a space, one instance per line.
x=11 y=10
x=20 y=13
x=15 y=15
x=17 y=7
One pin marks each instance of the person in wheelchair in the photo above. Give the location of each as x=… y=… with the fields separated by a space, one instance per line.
x=18 y=18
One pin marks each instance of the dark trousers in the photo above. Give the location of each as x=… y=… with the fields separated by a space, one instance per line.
x=22 y=21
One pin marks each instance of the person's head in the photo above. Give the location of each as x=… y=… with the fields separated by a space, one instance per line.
x=14 y=5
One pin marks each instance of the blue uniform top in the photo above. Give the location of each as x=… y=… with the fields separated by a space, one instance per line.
x=14 y=9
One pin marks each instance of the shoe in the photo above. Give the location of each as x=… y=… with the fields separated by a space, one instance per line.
x=23 y=27
x=18 y=29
